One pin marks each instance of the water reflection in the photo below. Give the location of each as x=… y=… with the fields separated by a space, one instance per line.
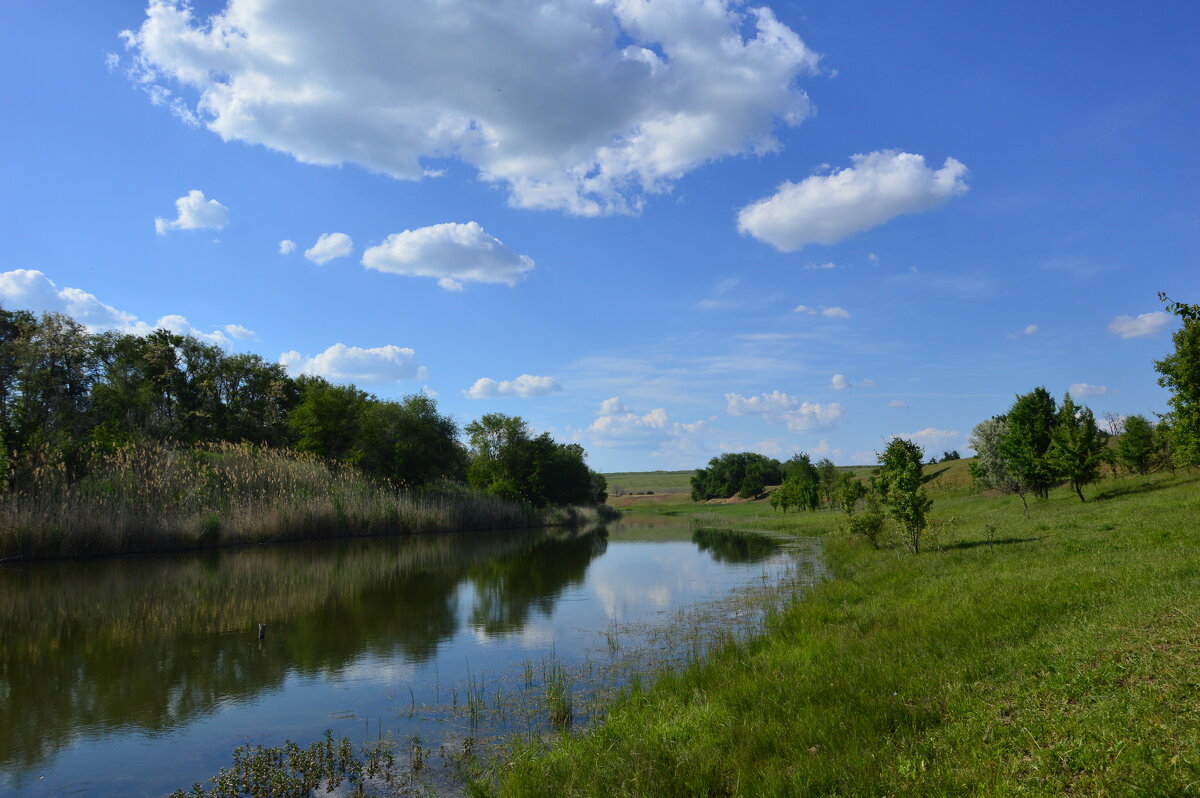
x=732 y=546
x=153 y=643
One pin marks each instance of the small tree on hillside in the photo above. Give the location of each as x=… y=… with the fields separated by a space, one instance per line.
x=1027 y=439
x=828 y=474
x=1076 y=447
x=1180 y=372
x=900 y=475
x=1136 y=446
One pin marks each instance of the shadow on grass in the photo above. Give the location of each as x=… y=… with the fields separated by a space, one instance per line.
x=974 y=544
x=1117 y=492
x=929 y=476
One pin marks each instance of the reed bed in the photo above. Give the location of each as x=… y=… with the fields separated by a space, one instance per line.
x=153 y=497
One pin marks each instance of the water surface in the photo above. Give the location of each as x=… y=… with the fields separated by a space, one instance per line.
x=135 y=676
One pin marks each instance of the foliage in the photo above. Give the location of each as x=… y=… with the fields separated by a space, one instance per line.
x=1027 y=439
x=745 y=472
x=900 y=475
x=505 y=460
x=828 y=473
x=1076 y=446
x=989 y=468
x=1180 y=372
x=1136 y=446
x=848 y=492
x=868 y=523
x=951 y=455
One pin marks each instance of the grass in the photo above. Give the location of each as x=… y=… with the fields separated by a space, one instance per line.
x=154 y=497
x=1050 y=656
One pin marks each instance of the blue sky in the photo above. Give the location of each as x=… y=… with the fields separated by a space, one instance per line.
x=664 y=229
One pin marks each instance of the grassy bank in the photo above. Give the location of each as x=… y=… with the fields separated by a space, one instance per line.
x=1049 y=656
x=156 y=498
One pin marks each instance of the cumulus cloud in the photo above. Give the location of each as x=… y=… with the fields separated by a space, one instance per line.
x=30 y=289
x=828 y=312
x=824 y=209
x=839 y=382
x=1082 y=390
x=194 y=213
x=524 y=385
x=779 y=407
x=341 y=363
x=575 y=105
x=452 y=253
x=287 y=246
x=328 y=247
x=1141 y=326
x=618 y=425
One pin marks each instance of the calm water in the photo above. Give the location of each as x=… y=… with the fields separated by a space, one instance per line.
x=136 y=676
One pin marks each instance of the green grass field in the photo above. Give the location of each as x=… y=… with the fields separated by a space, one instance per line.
x=1049 y=656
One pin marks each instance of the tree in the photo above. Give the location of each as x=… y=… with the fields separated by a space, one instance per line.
x=1180 y=372
x=900 y=474
x=507 y=461
x=848 y=492
x=737 y=472
x=409 y=442
x=828 y=473
x=1027 y=439
x=1076 y=446
x=327 y=419
x=1136 y=446
x=951 y=455
x=989 y=468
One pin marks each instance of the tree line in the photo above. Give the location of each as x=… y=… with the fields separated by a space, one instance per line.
x=68 y=396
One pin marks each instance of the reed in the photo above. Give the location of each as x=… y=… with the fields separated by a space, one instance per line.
x=155 y=497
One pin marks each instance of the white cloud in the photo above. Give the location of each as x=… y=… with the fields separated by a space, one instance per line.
x=872 y=257
x=1029 y=329
x=194 y=213
x=30 y=289
x=930 y=437
x=452 y=253
x=824 y=209
x=897 y=403
x=575 y=105
x=869 y=384
x=779 y=407
x=828 y=312
x=238 y=331
x=524 y=385
x=618 y=425
x=328 y=247
x=821 y=266
x=341 y=363
x=287 y=246
x=1082 y=390
x=839 y=382
x=1144 y=325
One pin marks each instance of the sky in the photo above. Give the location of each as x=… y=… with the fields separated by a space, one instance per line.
x=663 y=229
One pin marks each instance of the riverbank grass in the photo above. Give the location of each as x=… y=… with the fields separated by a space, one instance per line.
x=153 y=497
x=1046 y=656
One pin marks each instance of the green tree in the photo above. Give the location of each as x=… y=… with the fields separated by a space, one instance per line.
x=1029 y=422
x=900 y=476
x=1180 y=372
x=828 y=473
x=1076 y=446
x=410 y=443
x=848 y=492
x=505 y=460
x=1136 y=446
x=327 y=419
x=727 y=475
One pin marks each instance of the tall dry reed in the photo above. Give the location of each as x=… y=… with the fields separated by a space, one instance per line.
x=154 y=497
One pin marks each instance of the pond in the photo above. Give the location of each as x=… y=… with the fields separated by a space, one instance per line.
x=136 y=676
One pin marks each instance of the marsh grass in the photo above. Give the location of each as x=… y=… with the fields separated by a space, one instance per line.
x=1050 y=656
x=156 y=497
